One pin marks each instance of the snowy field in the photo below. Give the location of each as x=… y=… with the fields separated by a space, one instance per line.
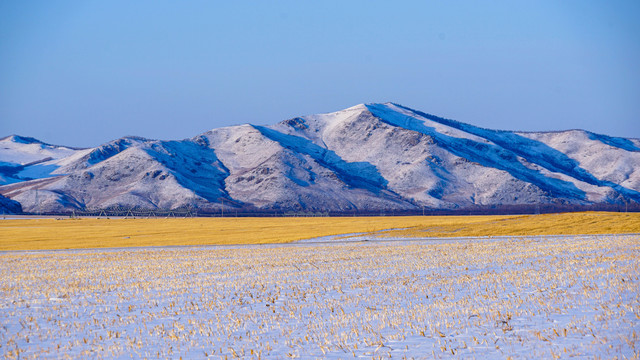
x=555 y=297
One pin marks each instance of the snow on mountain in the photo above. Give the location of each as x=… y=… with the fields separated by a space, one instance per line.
x=373 y=157
x=24 y=158
x=446 y=168
x=143 y=174
x=606 y=161
x=271 y=170
x=540 y=153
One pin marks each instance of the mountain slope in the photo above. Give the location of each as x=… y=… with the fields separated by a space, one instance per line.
x=24 y=158
x=373 y=157
x=537 y=152
x=8 y=206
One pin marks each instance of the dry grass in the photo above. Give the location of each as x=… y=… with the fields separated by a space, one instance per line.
x=41 y=234
x=546 y=224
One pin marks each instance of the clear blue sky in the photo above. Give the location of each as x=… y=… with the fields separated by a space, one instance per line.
x=81 y=73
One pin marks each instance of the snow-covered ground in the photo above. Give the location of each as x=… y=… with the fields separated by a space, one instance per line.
x=525 y=297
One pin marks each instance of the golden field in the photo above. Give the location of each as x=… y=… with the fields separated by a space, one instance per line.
x=47 y=234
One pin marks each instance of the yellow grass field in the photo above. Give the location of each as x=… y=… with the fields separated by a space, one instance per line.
x=47 y=234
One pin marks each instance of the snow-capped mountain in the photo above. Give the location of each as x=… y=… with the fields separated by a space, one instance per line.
x=373 y=157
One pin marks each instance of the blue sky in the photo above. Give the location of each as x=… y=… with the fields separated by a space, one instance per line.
x=81 y=73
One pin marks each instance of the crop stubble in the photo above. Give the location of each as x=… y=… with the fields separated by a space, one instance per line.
x=525 y=297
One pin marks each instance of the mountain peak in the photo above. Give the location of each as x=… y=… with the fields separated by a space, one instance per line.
x=22 y=140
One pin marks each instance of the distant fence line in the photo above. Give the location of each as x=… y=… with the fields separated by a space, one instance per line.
x=133 y=213
x=188 y=213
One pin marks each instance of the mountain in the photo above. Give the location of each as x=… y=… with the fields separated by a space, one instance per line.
x=8 y=206
x=367 y=158
x=25 y=158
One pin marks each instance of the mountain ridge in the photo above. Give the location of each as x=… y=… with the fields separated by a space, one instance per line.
x=367 y=158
